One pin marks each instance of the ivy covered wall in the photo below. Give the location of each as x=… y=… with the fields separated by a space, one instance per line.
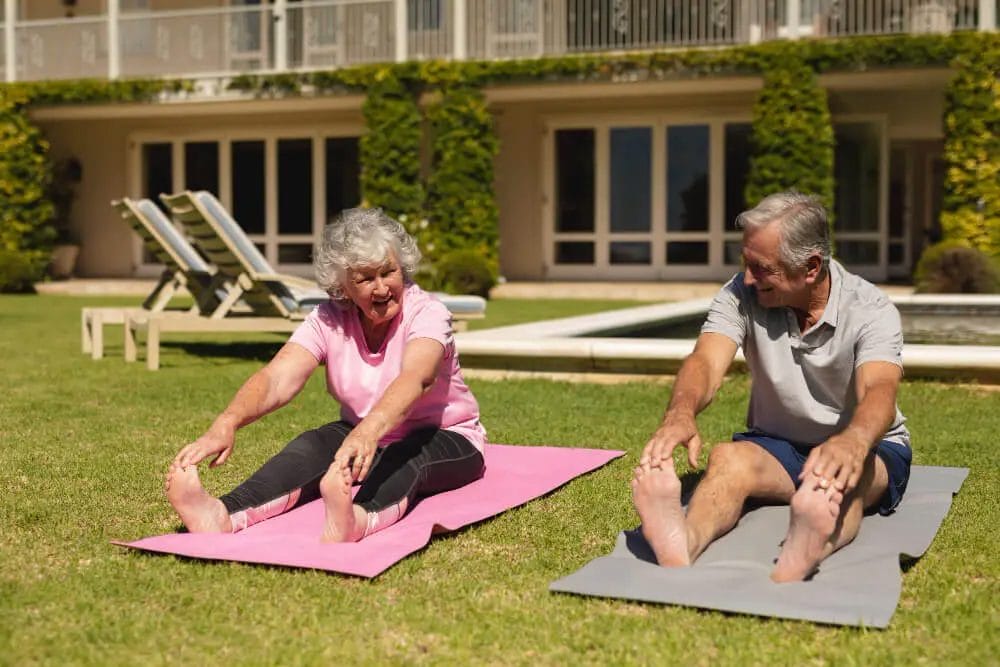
x=971 y=204
x=404 y=101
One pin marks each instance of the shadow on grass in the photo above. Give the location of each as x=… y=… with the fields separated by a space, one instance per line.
x=243 y=350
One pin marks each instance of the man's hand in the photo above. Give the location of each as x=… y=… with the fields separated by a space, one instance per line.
x=677 y=429
x=837 y=463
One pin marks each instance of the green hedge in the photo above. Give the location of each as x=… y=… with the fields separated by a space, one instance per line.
x=461 y=206
x=463 y=140
x=390 y=150
x=792 y=140
x=971 y=204
x=26 y=234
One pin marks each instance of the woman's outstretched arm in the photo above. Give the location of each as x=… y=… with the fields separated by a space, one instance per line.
x=268 y=389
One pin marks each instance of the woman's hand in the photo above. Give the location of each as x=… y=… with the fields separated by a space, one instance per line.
x=356 y=454
x=218 y=441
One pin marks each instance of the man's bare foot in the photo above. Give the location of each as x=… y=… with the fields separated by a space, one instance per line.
x=656 y=493
x=814 y=520
x=345 y=521
x=200 y=512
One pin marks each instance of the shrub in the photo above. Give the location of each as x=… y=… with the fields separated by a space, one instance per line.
x=461 y=206
x=390 y=149
x=971 y=204
x=20 y=270
x=792 y=140
x=951 y=267
x=464 y=272
x=26 y=231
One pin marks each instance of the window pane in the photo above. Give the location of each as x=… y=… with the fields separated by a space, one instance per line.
x=856 y=170
x=574 y=180
x=157 y=178
x=857 y=252
x=897 y=193
x=687 y=178
x=897 y=253
x=732 y=253
x=157 y=171
x=249 y=191
x=737 y=170
x=631 y=171
x=295 y=186
x=201 y=166
x=630 y=252
x=687 y=252
x=575 y=252
x=294 y=253
x=343 y=175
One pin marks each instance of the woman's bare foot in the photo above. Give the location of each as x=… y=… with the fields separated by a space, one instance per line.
x=345 y=521
x=200 y=512
x=810 y=532
x=656 y=493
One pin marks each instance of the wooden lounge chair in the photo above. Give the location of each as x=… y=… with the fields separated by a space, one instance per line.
x=183 y=268
x=277 y=302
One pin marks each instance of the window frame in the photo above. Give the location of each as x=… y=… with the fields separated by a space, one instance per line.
x=270 y=135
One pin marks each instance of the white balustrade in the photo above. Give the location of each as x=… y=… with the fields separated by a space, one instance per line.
x=317 y=34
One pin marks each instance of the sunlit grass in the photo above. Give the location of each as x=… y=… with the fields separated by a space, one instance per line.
x=84 y=444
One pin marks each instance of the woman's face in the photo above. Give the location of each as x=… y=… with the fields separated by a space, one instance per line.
x=376 y=290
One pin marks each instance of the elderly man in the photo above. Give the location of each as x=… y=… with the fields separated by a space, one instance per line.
x=824 y=433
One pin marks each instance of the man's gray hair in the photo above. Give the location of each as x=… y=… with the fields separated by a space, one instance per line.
x=803 y=223
x=360 y=238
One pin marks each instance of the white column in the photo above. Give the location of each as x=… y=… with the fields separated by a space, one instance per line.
x=987 y=15
x=114 y=43
x=9 y=36
x=280 y=17
x=401 y=50
x=459 y=33
x=793 y=15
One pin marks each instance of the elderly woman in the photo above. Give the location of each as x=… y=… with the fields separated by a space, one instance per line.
x=409 y=426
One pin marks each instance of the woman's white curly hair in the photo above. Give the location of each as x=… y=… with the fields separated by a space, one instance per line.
x=361 y=238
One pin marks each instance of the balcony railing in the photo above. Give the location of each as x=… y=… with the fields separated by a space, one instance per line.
x=325 y=34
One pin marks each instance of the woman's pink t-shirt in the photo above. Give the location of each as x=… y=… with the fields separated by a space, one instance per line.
x=358 y=378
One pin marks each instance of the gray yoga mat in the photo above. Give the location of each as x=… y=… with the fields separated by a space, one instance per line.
x=858 y=585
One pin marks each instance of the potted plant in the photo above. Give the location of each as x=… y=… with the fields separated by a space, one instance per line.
x=66 y=175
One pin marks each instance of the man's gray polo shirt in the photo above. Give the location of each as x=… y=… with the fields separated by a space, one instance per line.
x=803 y=383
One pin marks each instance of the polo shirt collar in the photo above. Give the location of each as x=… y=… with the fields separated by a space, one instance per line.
x=832 y=308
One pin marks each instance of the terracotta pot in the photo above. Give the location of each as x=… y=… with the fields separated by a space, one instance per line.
x=63 y=260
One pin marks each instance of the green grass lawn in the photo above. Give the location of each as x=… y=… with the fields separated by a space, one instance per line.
x=84 y=445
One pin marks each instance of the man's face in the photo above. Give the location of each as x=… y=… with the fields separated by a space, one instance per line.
x=775 y=285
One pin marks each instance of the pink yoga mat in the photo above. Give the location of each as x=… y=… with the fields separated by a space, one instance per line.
x=514 y=475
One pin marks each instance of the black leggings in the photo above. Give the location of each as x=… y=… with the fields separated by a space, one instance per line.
x=425 y=462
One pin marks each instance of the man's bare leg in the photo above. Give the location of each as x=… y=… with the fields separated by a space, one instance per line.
x=824 y=520
x=656 y=493
x=200 y=511
x=735 y=472
x=345 y=521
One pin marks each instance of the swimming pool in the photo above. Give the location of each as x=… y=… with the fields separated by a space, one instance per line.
x=627 y=341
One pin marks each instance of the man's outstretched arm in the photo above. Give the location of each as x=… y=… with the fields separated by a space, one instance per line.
x=698 y=380
x=841 y=459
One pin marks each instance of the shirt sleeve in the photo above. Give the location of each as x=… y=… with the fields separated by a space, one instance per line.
x=432 y=320
x=310 y=334
x=881 y=337
x=726 y=314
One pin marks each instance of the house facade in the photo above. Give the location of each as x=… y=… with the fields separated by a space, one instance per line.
x=615 y=179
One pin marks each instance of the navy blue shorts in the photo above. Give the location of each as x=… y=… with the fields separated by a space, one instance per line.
x=896 y=457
